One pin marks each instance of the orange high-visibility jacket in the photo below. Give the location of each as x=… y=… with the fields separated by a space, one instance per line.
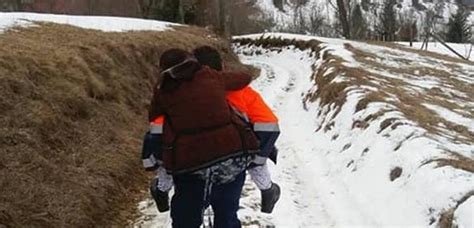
x=251 y=104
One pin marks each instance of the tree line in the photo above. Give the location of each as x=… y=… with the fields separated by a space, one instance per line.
x=374 y=20
x=223 y=16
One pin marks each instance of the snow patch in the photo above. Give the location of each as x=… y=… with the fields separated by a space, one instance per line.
x=463 y=49
x=464 y=215
x=106 y=24
x=452 y=117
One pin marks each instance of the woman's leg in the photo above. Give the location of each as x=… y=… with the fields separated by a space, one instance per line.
x=165 y=181
x=269 y=190
x=261 y=176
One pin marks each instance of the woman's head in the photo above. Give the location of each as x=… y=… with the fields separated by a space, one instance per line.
x=209 y=56
x=177 y=65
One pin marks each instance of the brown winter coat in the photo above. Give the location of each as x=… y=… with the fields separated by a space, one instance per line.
x=200 y=127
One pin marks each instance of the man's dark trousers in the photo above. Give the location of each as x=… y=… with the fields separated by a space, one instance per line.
x=190 y=201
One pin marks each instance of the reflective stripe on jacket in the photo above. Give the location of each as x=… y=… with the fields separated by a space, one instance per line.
x=156 y=127
x=151 y=152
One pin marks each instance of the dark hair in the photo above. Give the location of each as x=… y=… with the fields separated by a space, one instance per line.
x=207 y=55
x=176 y=66
x=172 y=57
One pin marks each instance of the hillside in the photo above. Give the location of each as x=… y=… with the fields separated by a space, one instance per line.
x=372 y=135
x=463 y=49
x=73 y=98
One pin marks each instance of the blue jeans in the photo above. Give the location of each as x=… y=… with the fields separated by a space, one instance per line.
x=191 y=199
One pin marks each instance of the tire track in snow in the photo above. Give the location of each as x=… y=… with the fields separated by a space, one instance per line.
x=278 y=86
x=310 y=198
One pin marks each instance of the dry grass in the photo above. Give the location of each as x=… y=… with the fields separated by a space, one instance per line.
x=277 y=42
x=395 y=173
x=369 y=98
x=456 y=161
x=329 y=92
x=447 y=218
x=73 y=105
x=410 y=103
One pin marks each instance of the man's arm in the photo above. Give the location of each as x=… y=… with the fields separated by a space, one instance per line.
x=152 y=144
x=265 y=125
x=260 y=113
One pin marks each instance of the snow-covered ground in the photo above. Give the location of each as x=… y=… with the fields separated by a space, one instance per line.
x=341 y=176
x=464 y=216
x=107 y=24
x=462 y=49
x=334 y=173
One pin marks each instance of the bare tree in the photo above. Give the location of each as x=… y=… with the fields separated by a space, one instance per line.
x=255 y=20
x=316 y=21
x=388 y=21
x=207 y=14
x=430 y=22
x=358 y=24
x=408 y=29
x=459 y=28
x=181 y=11
x=10 y=5
x=224 y=18
x=145 y=7
x=279 y=4
x=300 y=3
x=342 y=13
x=299 y=20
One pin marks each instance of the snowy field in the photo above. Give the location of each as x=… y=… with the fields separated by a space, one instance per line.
x=341 y=176
x=106 y=24
x=462 y=49
x=336 y=175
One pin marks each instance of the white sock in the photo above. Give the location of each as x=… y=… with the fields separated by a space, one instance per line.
x=261 y=176
x=165 y=181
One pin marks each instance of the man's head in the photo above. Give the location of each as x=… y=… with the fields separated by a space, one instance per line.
x=208 y=56
x=172 y=57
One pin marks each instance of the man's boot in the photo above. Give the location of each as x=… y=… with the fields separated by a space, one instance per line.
x=269 y=198
x=161 y=198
